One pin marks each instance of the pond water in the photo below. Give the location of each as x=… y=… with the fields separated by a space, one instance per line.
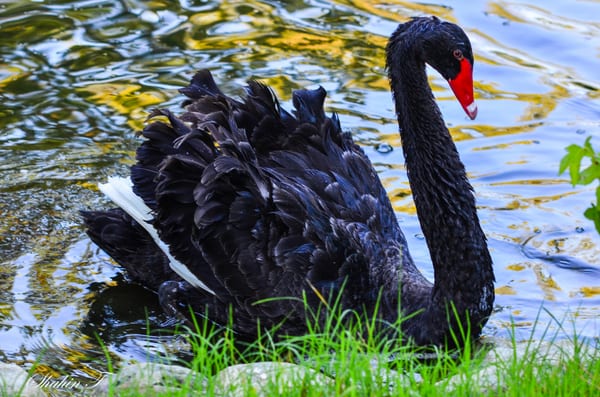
x=77 y=78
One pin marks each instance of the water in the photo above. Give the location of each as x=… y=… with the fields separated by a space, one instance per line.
x=77 y=77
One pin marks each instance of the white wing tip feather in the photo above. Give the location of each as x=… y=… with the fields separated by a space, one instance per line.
x=120 y=191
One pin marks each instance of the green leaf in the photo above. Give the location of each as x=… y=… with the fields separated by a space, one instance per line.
x=588 y=175
x=572 y=160
x=593 y=214
x=564 y=163
x=568 y=158
x=589 y=150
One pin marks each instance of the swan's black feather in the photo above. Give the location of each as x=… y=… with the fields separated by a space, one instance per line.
x=309 y=105
x=202 y=84
x=129 y=245
x=259 y=203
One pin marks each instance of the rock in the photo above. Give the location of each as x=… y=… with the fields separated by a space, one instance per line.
x=15 y=381
x=506 y=351
x=269 y=379
x=485 y=381
x=492 y=373
x=393 y=380
x=380 y=373
x=150 y=379
x=279 y=378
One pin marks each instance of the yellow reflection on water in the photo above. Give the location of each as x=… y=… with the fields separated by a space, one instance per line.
x=395 y=10
x=490 y=130
x=546 y=282
x=507 y=146
x=303 y=41
x=505 y=290
x=10 y=73
x=126 y=99
x=45 y=370
x=517 y=267
x=589 y=292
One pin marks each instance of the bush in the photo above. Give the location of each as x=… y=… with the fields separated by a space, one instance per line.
x=573 y=161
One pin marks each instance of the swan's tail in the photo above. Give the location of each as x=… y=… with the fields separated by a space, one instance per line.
x=120 y=191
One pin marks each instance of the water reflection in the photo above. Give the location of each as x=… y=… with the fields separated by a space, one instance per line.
x=76 y=77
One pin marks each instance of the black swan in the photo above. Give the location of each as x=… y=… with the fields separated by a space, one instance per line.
x=237 y=202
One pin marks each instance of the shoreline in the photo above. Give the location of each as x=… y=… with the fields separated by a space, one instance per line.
x=155 y=378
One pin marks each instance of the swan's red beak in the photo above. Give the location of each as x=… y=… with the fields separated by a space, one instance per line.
x=462 y=86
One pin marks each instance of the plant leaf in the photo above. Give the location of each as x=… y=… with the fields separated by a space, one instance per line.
x=572 y=160
x=588 y=175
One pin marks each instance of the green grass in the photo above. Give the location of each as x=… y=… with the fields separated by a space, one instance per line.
x=359 y=364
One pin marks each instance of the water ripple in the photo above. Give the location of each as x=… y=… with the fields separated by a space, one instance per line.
x=77 y=78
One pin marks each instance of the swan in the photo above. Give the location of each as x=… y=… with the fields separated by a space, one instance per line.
x=242 y=210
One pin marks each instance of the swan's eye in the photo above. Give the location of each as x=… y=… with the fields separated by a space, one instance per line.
x=458 y=54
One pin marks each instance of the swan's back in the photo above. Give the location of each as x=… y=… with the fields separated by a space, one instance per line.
x=259 y=203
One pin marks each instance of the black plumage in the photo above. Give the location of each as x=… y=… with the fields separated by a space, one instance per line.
x=259 y=203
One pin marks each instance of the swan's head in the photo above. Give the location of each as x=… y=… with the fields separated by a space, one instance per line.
x=447 y=49
x=444 y=46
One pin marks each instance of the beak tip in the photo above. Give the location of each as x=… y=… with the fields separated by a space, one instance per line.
x=471 y=110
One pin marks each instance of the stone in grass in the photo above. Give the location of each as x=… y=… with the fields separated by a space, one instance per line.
x=491 y=377
x=152 y=378
x=269 y=379
x=15 y=381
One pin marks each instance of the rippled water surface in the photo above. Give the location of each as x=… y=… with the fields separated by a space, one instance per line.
x=78 y=77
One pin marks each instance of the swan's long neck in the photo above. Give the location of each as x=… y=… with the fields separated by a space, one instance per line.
x=442 y=194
